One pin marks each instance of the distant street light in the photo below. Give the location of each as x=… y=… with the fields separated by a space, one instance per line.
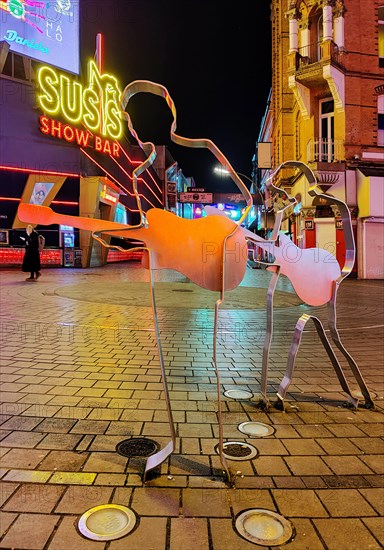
x=223 y=172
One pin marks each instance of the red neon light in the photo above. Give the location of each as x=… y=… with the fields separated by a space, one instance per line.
x=111 y=177
x=99 y=51
x=70 y=134
x=130 y=160
x=34 y=171
x=70 y=203
x=148 y=172
x=153 y=179
x=125 y=172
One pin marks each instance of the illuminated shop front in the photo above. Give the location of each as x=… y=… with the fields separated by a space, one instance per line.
x=62 y=145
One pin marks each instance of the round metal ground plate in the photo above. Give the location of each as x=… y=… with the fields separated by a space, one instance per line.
x=137 y=446
x=263 y=527
x=358 y=395
x=107 y=522
x=238 y=394
x=238 y=450
x=256 y=429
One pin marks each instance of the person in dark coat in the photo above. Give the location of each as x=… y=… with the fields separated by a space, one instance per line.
x=31 y=260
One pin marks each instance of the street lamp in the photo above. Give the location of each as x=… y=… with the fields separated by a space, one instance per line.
x=223 y=172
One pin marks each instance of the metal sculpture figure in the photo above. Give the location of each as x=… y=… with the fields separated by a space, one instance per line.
x=316 y=278
x=218 y=270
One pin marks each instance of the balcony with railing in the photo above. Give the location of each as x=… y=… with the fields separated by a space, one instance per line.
x=325 y=150
x=310 y=59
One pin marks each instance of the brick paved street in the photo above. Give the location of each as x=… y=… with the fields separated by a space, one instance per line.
x=80 y=373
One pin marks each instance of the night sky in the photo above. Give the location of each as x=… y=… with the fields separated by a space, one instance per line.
x=215 y=61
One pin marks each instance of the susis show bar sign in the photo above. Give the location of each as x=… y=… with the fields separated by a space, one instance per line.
x=91 y=113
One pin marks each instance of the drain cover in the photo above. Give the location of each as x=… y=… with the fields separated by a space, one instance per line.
x=138 y=446
x=238 y=394
x=107 y=522
x=263 y=527
x=257 y=429
x=238 y=450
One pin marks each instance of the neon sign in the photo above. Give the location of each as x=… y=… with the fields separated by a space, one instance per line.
x=107 y=196
x=82 y=138
x=95 y=105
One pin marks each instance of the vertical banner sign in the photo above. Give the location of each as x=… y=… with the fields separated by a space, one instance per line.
x=171 y=186
x=47 y=31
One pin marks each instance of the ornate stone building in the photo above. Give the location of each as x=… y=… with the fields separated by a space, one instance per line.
x=327 y=110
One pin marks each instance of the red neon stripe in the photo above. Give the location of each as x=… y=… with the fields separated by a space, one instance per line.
x=125 y=172
x=73 y=203
x=34 y=171
x=130 y=160
x=151 y=190
x=153 y=179
x=100 y=51
x=148 y=172
x=112 y=178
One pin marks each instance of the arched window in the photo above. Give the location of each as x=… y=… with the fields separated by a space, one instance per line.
x=319 y=35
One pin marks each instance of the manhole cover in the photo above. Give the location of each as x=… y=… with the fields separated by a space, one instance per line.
x=238 y=450
x=107 y=522
x=263 y=527
x=238 y=394
x=257 y=429
x=137 y=447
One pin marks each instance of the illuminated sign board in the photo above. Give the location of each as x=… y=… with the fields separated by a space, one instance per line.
x=196 y=197
x=106 y=195
x=91 y=112
x=47 y=31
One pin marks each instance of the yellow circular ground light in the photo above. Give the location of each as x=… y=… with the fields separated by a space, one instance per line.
x=263 y=527
x=107 y=522
x=238 y=394
x=256 y=429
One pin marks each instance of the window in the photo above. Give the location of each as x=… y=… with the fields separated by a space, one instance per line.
x=326 y=131
x=319 y=35
x=380 y=120
x=381 y=36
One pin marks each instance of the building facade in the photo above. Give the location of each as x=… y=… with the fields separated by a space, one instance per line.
x=327 y=110
x=47 y=160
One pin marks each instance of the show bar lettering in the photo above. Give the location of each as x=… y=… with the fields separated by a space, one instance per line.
x=82 y=138
x=94 y=106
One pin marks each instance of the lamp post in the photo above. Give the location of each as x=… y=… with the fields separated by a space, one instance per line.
x=223 y=172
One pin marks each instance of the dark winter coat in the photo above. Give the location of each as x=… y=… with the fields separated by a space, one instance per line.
x=31 y=260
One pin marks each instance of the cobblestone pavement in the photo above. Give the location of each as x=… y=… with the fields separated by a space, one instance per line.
x=80 y=373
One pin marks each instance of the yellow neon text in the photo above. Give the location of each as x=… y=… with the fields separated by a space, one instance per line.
x=96 y=105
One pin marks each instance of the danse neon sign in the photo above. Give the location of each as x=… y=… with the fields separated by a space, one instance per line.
x=95 y=106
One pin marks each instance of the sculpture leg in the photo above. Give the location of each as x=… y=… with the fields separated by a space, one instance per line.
x=336 y=365
x=268 y=334
x=332 y=320
x=158 y=458
x=219 y=402
x=286 y=382
x=300 y=325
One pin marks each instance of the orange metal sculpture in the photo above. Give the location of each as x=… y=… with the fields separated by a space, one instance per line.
x=212 y=252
